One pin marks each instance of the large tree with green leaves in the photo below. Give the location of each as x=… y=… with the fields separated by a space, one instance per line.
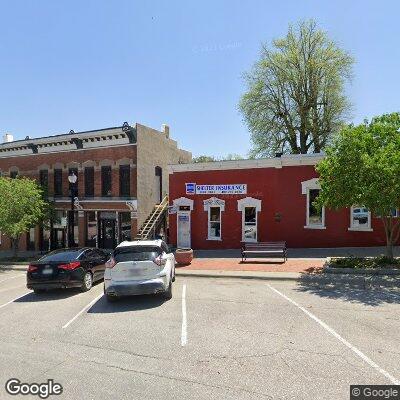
x=295 y=98
x=22 y=207
x=362 y=167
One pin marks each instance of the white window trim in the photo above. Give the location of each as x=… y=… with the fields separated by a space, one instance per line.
x=357 y=228
x=249 y=202
x=183 y=201
x=306 y=186
x=214 y=202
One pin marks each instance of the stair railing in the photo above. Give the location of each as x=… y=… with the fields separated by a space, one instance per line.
x=152 y=221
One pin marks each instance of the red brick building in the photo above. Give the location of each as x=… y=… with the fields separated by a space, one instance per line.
x=122 y=174
x=220 y=204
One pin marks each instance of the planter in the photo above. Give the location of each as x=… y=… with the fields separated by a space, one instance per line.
x=183 y=256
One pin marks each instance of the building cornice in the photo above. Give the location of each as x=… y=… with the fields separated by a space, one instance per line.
x=276 y=162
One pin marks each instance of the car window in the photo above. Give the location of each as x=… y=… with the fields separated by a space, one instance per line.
x=137 y=253
x=86 y=255
x=61 y=255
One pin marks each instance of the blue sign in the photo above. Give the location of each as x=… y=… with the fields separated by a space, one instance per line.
x=190 y=188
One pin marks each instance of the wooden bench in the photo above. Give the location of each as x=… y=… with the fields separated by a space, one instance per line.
x=264 y=249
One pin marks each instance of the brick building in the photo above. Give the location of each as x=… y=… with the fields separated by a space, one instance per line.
x=122 y=175
x=218 y=205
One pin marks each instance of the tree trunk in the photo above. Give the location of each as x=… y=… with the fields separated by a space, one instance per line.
x=389 y=250
x=15 y=243
x=390 y=235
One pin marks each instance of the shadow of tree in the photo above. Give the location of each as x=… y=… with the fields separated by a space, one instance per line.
x=351 y=289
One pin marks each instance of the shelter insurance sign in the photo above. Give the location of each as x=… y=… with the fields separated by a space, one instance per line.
x=236 y=188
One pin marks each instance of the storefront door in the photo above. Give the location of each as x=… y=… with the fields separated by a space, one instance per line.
x=184 y=239
x=107 y=233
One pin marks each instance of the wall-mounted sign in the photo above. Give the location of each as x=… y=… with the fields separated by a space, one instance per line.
x=237 y=188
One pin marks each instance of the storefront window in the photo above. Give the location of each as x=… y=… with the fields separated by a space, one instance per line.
x=214 y=223
x=360 y=218
x=250 y=224
x=125 y=227
x=315 y=216
x=91 y=229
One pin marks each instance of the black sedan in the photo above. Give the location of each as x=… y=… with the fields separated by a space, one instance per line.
x=67 y=268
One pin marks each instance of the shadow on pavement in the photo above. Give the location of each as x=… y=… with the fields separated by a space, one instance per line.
x=55 y=294
x=353 y=291
x=126 y=304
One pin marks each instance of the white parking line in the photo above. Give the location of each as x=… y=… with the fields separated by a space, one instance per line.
x=337 y=336
x=184 y=322
x=82 y=311
x=12 y=277
x=11 y=301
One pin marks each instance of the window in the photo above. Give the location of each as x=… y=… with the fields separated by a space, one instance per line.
x=89 y=181
x=214 y=223
x=31 y=239
x=125 y=227
x=124 y=181
x=44 y=180
x=91 y=228
x=58 y=182
x=315 y=217
x=250 y=224
x=360 y=219
x=106 y=181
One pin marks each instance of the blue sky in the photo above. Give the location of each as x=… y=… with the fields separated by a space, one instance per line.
x=92 y=64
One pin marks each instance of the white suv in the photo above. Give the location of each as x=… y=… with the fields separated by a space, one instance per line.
x=140 y=267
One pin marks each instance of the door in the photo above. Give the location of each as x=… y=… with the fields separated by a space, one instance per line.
x=107 y=234
x=183 y=222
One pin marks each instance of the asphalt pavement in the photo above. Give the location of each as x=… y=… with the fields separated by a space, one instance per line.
x=216 y=339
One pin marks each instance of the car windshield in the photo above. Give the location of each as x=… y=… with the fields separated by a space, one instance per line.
x=137 y=253
x=61 y=255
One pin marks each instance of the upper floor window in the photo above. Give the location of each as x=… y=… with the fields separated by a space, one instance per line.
x=360 y=219
x=58 y=182
x=124 y=180
x=75 y=171
x=106 y=180
x=44 y=178
x=89 y=181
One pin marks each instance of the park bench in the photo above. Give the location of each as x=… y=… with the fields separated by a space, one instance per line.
x=264 y=249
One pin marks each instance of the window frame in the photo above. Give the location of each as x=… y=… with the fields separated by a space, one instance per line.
x=107 y=168
x=244 y=239
x=354 y=228
x=58 y=179
x=127 y=185
x=89 y=193
x=308 y=224
x=209 y=237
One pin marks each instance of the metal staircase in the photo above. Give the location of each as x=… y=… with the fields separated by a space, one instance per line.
x=148 y=230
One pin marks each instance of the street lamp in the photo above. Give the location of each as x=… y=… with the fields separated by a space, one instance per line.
x=72 y=178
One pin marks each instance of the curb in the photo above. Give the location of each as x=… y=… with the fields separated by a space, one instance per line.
x=238 y=276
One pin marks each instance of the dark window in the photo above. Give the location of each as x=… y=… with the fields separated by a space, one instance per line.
x=106 y=181
x=44 y=179
x=30 y=239
x=62 y=255
x=58 y=182
x=89 y=181
x=137 y=253
x=75 y=171
x=13 y=174
x=124 y=180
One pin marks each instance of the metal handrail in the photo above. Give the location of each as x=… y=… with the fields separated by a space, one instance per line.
x=163 y=205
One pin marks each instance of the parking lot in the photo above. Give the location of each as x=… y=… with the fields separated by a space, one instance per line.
x=216 y=339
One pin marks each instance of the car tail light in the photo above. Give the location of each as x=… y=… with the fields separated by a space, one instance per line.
x=110 y=263
x=158 y=260
x=70 y=266
x=32 y=268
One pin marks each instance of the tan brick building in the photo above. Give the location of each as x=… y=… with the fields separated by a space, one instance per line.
x=122 y=175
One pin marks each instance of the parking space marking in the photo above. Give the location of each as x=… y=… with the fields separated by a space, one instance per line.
x=82 y=311
x=11 y=301
x=340 y=338
x=12 y=277
x=184 y=321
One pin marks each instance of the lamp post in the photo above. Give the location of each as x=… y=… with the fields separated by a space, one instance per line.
x=72 y=178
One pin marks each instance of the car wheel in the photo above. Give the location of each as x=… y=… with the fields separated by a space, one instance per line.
x=87 y=282
x=168 y=292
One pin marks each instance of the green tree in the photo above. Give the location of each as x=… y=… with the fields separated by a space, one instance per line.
x=229 y=157
x=203 y=158
x=362 y=167
x=22 y=207
x=295 y=98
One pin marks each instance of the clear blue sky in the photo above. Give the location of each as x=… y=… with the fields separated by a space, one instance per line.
x=92 y=64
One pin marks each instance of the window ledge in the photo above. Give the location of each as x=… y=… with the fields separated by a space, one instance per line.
x=211 y=238
x=360 y=229
x=314 y=227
